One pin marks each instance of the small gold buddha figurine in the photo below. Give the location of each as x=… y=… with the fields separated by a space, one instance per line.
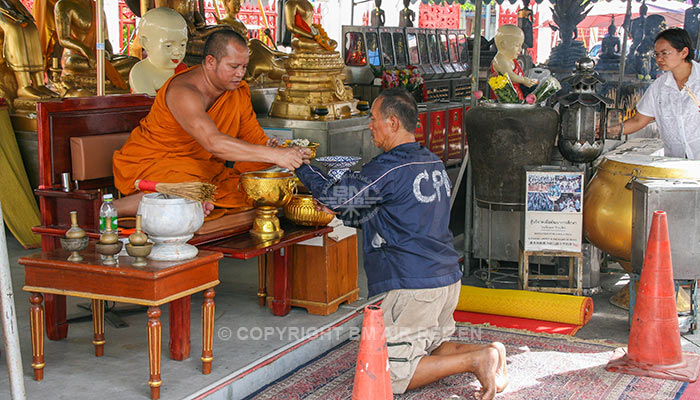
x=314 y=79
x=76 y=28
x=263 y=60
x=22 y=53
x=163 y=34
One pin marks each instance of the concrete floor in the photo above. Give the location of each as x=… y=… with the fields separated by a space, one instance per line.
x=73 y=372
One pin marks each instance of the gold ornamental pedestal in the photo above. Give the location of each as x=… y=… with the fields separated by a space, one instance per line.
x=269 y=191
x=314 y=89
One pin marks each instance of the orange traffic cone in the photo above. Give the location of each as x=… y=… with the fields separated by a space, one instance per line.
x=372 y=379
x=654 y=345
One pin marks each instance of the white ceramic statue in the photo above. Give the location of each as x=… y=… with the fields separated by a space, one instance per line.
x=163 y=34
x=509 y=42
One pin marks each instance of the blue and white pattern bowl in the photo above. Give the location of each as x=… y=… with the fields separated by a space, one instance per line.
x=338 y=162
x=337 y=174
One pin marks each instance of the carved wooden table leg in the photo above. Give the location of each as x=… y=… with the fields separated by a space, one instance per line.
x=262 y=279
x=207 y=331
x=154 y=339
x=56 y=325
x=36 y=323
x=282 y=302
x=179 y=345
x=98 y=326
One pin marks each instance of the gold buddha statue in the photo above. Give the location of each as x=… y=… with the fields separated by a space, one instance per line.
x=163 y=34
x=76 y=29
x=23 y=56
x=263 y=61
x=313 y=86
x=46 y=22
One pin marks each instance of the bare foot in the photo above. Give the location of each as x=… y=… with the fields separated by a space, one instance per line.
x=502 y=371
x=207 y=207
x=486 y=363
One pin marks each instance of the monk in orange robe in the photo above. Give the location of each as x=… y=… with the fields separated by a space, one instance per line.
x=201 y=118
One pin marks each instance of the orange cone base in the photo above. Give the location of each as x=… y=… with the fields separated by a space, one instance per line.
x=687 y=371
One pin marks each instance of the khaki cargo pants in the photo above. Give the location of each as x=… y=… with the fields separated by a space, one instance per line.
x=417 y=321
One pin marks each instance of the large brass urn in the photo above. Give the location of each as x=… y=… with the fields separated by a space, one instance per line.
x=607 y=205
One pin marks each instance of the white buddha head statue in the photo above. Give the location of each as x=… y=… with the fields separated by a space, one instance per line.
x=509 y=40
x=163 y=34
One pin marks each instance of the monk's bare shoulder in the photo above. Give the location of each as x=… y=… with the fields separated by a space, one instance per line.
x=183 y=93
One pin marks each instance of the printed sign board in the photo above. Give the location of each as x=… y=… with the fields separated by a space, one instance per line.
x=554 y=210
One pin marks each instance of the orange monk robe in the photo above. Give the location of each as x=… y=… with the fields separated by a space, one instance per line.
x=159 y=149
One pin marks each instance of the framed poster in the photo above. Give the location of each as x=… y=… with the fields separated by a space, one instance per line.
x=554 y=209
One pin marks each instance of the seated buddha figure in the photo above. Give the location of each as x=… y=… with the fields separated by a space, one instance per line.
x=313 y=86
x=76 y=29
x=163 y=34
x=609 y=50
x=22 y=51
x=308 y=37
x=263 y=60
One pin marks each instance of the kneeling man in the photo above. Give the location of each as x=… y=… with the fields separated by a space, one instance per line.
x=401 y=200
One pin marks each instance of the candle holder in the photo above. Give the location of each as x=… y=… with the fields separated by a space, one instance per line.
x=75 y=240
x=109 y=244
x=139 y=247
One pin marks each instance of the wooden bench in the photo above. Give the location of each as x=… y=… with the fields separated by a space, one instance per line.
x=57 y=123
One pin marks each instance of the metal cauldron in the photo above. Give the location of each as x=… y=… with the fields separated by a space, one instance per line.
x=607 y=204
x=503 y=139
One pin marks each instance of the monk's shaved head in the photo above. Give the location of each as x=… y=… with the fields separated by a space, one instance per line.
x=218 y=41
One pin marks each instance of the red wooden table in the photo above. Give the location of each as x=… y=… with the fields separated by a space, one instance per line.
x=157 y=283
x=245 y=247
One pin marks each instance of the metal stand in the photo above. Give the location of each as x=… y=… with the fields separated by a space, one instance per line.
x=575 y=269
x=112 y=314
x=493 y=275
x=686 y=318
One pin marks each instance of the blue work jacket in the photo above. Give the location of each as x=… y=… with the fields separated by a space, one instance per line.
x=401 y=201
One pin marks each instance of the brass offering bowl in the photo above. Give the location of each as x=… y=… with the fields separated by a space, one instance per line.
x=109 y=250
x=269 y=191
x=74 y=245
x=301 y=211
x=313 y=146
x=139 y=252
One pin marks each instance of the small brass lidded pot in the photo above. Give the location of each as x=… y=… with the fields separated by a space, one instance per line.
x=76 y=240
x=139 y=247
x=109 y=244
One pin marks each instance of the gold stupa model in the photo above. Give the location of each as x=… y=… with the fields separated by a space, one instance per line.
x=313 y=87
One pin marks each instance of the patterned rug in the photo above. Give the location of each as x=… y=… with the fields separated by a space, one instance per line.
x=540 y=366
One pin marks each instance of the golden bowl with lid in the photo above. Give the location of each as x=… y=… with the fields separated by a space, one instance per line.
x=302 y=211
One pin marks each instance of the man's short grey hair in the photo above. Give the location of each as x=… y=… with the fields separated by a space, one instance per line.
x=398 y=102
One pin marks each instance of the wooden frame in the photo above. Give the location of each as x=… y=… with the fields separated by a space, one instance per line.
x=57 y=122
x=575 y=271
